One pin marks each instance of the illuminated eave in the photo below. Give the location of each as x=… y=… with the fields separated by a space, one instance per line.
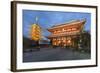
x=63 y=35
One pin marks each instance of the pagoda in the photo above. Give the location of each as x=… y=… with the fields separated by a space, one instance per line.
x=35 y=32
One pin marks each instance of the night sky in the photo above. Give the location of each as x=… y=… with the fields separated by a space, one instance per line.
x=47 y=19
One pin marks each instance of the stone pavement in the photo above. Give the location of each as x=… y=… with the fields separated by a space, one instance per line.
x=54 y=54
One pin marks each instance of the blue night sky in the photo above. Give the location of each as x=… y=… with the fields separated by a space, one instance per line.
x=47 y=19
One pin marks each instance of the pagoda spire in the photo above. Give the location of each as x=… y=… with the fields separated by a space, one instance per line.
x=36 y=19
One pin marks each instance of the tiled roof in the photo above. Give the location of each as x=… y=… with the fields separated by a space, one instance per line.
x=68 y=23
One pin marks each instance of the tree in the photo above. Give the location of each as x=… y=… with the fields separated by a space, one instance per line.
x=86 y=41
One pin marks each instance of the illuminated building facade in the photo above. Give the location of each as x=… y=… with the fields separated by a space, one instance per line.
x=67 y=33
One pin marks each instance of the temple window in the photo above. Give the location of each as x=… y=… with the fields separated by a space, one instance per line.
x=55 y=32
x=73 y=29
x=63 y=29
x=59 y=31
